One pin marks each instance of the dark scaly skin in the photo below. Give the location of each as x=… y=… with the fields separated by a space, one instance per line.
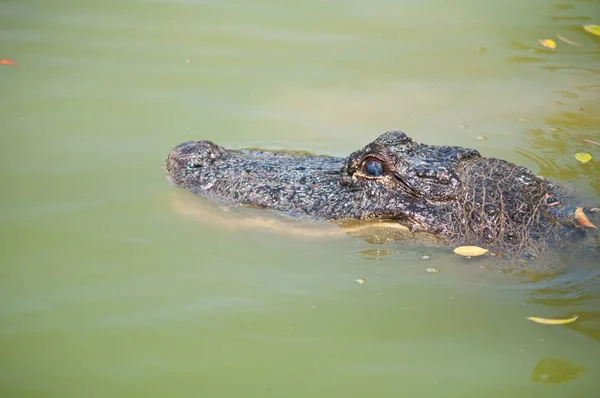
x=449 y=192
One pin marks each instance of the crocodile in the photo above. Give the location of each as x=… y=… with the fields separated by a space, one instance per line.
x=450 y=193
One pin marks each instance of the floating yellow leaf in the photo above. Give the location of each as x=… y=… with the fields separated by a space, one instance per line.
x=582 y=218
x=548 y=43
x=549 y=321
x=583 y=157
x=470 y=251
x=593 y=29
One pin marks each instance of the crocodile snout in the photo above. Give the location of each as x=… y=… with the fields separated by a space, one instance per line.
x=189 y=156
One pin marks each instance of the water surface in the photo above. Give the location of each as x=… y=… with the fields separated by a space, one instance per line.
x=108 y=288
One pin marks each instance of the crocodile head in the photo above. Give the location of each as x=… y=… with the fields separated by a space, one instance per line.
x=449 y=192
x=391 y=178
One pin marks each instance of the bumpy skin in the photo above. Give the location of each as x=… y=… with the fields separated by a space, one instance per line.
x=449 y=192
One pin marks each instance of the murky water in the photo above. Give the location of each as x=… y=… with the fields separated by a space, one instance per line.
x=108 y=288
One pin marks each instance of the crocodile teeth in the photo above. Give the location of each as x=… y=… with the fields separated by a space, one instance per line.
x=582 y=218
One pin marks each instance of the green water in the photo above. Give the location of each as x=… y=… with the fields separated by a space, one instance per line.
x=109 y=289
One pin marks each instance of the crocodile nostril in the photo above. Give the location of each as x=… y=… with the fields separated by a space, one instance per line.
x=185 y=147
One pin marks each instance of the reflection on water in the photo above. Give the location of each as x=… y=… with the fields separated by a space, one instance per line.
x=530 y=49
x=374 y=254
x=556 y=370
x=573 y=291
x=577 y=121
x=571 y=68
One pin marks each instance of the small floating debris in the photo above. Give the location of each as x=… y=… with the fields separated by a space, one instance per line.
x=360 y=281
x=591 y=142
x=550 y=321
x=432 y=270
x=583 y=157
x=568 y=41
x=425 y=257
x=548 y=43
x=482 y=138
x=582 y=218
x=7 y=62
x=470 y=251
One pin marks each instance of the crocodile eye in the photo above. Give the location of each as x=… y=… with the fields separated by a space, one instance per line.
x=373 y=167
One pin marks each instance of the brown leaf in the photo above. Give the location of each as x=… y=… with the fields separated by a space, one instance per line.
x=582 y=218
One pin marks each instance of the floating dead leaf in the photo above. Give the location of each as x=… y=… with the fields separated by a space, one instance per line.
x=583 y=157
x=582 y=218
x=593 y=29
x=550 y=321
x=7 y=62
x=548 y=43
x=470 y=251
x=569 y=41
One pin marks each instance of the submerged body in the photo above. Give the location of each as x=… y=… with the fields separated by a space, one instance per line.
x=448 y=192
